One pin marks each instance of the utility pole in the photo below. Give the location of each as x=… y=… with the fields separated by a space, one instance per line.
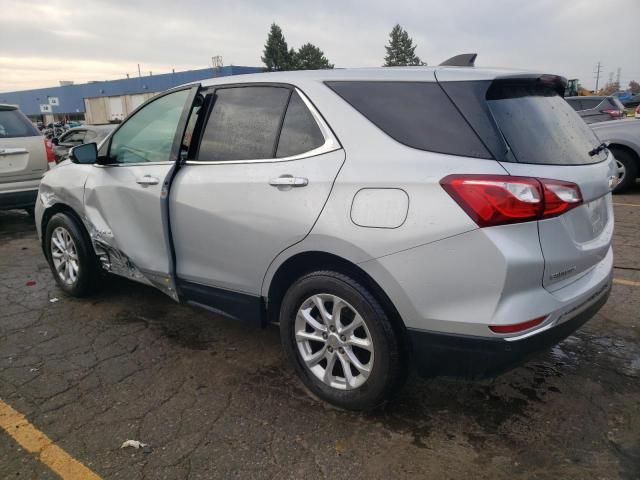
x=597 y=73
x=139 y=74
x=618 y=78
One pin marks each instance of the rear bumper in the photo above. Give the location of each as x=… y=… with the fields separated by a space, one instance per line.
x=23 y=199
x=478 y=357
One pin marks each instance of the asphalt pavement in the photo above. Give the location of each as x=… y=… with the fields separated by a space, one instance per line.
x=214 y=398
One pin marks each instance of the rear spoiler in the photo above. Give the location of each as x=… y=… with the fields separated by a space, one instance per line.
x=506 y=87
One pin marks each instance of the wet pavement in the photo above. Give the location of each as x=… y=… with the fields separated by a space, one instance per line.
x=215 y=399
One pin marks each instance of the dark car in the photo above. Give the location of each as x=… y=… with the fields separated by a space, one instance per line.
x=78 y=136
x=597 y=109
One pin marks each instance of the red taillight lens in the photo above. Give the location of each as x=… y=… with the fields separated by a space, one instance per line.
x=517 y=327
x=51 y=158
x=613 y=112
x=559 y=197
x=502 y=199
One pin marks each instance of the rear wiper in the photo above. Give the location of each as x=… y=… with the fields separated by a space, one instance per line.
x=598 y=149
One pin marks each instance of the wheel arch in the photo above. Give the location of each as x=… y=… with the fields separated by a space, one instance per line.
x=54 y=209
x=301 y=263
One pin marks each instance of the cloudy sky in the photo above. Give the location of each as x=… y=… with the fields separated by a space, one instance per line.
x=42 y=42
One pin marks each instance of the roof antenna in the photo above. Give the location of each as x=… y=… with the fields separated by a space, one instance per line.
x=462 y=60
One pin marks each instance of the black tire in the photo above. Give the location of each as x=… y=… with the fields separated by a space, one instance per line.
x=388 y=370
x=89 y=274
x=631 y=169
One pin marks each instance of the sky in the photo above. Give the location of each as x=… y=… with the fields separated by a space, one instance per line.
x=43 y=42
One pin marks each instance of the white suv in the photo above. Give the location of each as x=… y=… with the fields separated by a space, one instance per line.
x=24 y=158
x=456 y=219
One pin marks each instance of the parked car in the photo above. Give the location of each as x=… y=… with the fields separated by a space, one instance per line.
x=376 y=215
x=25 y=156
x=597 y=109
x=623 y=139
x=78 y=136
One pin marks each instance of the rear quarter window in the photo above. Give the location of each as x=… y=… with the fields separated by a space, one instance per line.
x=416 y=114
x=13 y=124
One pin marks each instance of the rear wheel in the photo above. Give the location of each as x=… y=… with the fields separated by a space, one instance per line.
x=627 y=170
x=71 y=256
x=340 y=341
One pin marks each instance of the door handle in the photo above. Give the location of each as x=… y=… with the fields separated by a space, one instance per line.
x=289 y=181
x=147 y=180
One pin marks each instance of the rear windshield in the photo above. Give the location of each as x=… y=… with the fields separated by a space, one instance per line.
x=417 y=114
x=14 y=124
x=541 y=127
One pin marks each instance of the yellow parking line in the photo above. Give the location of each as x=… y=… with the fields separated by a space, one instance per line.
x=36 y=442
x=629 y=283
x=626 y=204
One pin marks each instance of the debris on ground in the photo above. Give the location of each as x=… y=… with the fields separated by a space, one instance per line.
x=134 y=443
x=30 y=283
x=53 y=300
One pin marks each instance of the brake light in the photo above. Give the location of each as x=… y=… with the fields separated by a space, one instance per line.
x=51 y=158
x=492 y=200
x=517 y=327
x=613 y=112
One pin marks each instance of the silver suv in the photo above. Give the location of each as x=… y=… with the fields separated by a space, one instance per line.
x=25 y=155
x=456 y=219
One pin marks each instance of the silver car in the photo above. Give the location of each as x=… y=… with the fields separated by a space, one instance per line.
x=25 y=155
x=452 y=219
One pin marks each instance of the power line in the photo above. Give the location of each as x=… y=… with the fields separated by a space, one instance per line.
x=597 y=73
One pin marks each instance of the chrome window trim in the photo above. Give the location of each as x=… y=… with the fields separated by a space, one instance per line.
x=137 y=164
x=330 y=144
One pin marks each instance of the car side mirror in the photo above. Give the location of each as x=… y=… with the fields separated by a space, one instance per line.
x=86 y=154
x=55 y=140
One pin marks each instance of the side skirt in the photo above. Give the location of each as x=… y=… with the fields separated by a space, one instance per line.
x=239 y=306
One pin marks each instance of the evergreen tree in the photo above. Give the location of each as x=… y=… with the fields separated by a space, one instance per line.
x=401 y=50
x=276 y=54
x=310 y=57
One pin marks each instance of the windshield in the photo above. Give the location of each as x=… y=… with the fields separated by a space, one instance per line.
x=541 y=127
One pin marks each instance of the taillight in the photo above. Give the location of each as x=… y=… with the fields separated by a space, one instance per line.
x=517 y=327
x=613 y=112
x=492 y=200
x=51 y=158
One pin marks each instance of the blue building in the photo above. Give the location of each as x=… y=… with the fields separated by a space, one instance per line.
x=103 y=102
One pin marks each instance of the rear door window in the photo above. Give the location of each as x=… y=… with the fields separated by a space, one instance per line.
x=589 y=103
x=540 y=127
x=300 y=132
x=244 y=123
x=417 y=114
x=575 y=104
x=13 y=124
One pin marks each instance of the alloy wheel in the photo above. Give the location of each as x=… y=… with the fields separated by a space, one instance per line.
x=622 y=171
x=64 y=255
x=334 y=342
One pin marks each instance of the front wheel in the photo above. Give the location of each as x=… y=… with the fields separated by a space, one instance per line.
x=340 y=341
x=71 y=257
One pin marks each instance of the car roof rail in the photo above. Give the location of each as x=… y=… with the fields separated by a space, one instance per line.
x=462 y=60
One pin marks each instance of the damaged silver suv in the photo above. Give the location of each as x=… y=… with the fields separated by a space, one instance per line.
x=455 y=219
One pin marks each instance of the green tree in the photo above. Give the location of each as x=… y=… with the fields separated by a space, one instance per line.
x=401 y=51
x=634 y=86
x=276 y=55
x=310 y=57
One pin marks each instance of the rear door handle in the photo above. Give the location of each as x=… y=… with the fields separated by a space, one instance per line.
x=289 y=181
x=147 y=180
